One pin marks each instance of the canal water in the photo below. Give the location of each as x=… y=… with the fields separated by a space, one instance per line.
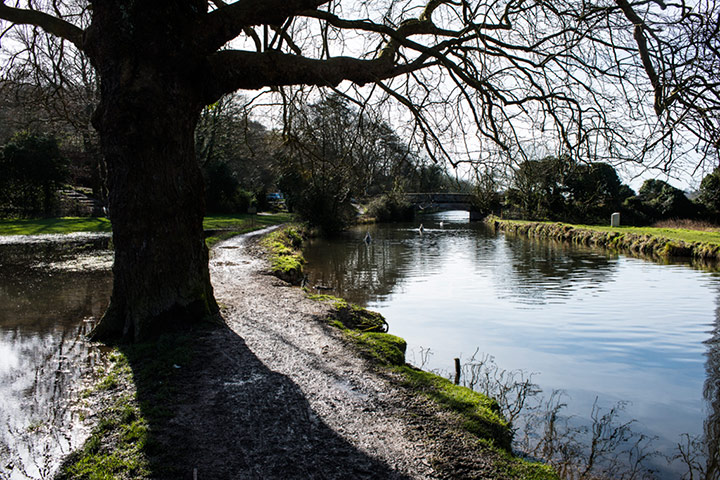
x=605 y=329
x=51 y=293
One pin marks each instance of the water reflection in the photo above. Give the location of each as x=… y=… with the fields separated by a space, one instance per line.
x=535 y=272
x=712 y=397
x=592 y=323
x=529 y=272
x=45 y=315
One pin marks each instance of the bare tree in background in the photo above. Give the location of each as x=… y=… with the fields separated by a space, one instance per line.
x=587 y=78
x=48 y=86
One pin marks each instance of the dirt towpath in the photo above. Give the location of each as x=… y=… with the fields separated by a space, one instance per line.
x=280 y=395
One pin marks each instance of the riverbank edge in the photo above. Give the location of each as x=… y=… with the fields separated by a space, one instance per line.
x=367 y=332
x=120 y=439
x=636 y=244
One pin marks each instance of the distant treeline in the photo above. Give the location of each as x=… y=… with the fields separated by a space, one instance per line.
x=559 y=189
x=330 y=155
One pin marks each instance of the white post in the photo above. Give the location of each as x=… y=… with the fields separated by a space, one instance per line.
x=615 y=219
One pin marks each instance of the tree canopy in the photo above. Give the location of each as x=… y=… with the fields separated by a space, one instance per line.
x=604 y=80
x=609 y=80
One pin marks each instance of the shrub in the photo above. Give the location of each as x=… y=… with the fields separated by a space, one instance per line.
x=33 y=169
x=222 y=190
x=391 y=207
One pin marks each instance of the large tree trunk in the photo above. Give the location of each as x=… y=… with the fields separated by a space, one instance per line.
x=149 y=107
x=161 y=277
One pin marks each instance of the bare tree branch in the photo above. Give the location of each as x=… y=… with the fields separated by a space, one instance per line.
x=230 y=67
x=644 y=52
x=49 y=23
x=227 y=22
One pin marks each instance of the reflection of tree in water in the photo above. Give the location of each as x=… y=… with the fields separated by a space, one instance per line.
x=529 y=270
x=44 y=319
x=362 y=273
x=712 y=396
x=536 y=271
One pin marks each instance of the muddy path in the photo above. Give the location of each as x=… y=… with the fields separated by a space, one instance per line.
x=279 y=394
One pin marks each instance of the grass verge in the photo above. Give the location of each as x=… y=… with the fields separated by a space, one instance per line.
x=54 y=225
x=479 y=415
x=223 y=227
x=122 y=445
x=284 y=248
x=224 y=224
x=661 y=242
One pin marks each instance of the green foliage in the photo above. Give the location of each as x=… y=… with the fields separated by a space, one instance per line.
x=430 y=178
x=237 y=155
x=537 y=188
x=322 y=197
x=222 y=190
x=391 y=207
x=33 y=169
x=486 y=197
x=710 y=193
x=658 y=200
x=558 y=188
x=594 y=192
x=286 y=260
x=335 y=153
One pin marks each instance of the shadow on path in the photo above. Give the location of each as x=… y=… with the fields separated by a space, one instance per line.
x=225 y=414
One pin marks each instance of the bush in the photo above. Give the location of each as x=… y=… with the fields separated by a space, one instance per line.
x=710 y=193
x=222 y=190
x=660 y=201
x=391 y=207
x=323 y=200
x=33 y=169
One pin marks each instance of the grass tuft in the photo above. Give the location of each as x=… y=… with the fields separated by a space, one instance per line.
x=286 y=260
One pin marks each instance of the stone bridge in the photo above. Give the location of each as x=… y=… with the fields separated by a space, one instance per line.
x=443 y=202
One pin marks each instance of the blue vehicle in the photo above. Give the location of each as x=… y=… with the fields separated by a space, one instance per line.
x=276 y=200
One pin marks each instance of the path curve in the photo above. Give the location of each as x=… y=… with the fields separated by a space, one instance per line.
x=279 y=394
x=281 y=326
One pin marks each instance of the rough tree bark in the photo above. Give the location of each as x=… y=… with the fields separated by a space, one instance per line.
x=151 y=98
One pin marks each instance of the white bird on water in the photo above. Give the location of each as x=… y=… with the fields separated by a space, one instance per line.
x=441 y=224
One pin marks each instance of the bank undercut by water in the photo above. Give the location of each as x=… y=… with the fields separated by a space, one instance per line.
x=657 y=242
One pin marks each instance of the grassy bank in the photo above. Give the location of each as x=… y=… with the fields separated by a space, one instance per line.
x=224 y=225
x=476 y=413
x=39 y=226
x=660 y=242
x=123 y=443
x=284 y=249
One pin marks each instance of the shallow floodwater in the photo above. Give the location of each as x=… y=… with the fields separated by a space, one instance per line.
x=594 y=324
x=47 y=306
